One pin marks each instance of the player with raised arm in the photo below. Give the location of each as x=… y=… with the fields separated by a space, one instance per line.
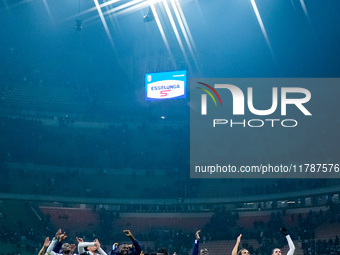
x=277 y=251
x=93 y=248
x=195 y=249
x=66 y=248
x=241 y=251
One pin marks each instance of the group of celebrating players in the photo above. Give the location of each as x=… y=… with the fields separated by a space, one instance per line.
x=56 y=246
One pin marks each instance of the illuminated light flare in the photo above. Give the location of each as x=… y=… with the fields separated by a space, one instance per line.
x=174 y=27
x=179 y=8
x=303 y=5
x=48 y=9
x=139 y=4
x=116 y=9
x=131 y=9
x=104 y=23
x=292 y=2
x=161 y=30
x=184 y=31
x=120 y=7
x=113 y=19
x=92 y=9
x=263 y=29
x=259 y=19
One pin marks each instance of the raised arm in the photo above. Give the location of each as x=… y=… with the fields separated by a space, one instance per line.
x=195 y=249
x=51 y=246
x=235 y=249
x=45 y=245
x=289 y=240
x=53 y=243
x=82 y=245
x=99 y=249
x=291 y=245
x=59 y=243
x=129 y=234
x=114 y=249
x=136 y=244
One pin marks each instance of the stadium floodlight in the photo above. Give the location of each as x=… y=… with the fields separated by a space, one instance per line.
x=79 y=25
x=149 y=17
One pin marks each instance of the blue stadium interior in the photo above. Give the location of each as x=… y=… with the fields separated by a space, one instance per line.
x=82 y=150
